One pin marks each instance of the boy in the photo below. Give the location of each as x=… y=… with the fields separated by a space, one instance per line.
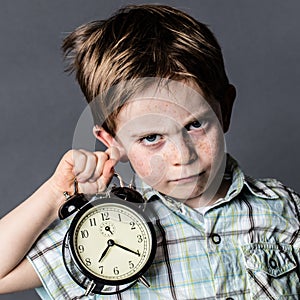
x=161 y=99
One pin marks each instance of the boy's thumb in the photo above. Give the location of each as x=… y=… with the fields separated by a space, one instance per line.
x=113 y=153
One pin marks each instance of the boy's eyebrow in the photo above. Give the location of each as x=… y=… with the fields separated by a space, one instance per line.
x=205 y=113
x=148 y=131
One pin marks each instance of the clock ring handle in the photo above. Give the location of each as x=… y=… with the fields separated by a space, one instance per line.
x=120 y=179
x=127 y=193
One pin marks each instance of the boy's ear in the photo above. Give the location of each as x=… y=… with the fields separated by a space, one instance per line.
x=109 y=141
x=227 y=105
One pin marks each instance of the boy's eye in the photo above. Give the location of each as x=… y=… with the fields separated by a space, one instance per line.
x=194 y=125
x=150 y=139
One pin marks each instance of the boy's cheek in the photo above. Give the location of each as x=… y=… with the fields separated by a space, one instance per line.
x=151 y=170
x=212 y=147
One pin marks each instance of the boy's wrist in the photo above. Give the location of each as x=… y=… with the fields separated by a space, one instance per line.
x=55 y=196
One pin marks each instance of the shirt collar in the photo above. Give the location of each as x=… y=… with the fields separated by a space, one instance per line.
x=239 y=180
x=234 y=173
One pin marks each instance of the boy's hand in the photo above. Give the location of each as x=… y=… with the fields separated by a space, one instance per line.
x=93 y=171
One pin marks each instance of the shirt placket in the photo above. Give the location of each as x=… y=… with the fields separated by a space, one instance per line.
x=225 y=257
x=224 y=273
x=206 y=287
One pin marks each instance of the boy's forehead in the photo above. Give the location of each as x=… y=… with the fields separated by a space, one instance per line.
x=170 y=95
x=175 y=91
x=158 y=105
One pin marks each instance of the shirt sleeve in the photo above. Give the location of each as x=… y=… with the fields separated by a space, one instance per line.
x=47 y=260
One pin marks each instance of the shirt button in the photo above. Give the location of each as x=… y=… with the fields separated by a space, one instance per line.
x=216 y=238
x=273 y=263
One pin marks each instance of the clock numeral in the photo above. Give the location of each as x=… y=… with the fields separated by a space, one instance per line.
x=81 y=248
x=116 y=271
x=132 y=224
x=88 y=262
x=84 y=234
x=105 y=216
x=120 y=220
x=93 y=222
x=131 y=264
x=101 y=269
x=140 y=238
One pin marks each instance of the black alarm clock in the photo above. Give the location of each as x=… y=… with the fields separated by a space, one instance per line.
x=111 y=241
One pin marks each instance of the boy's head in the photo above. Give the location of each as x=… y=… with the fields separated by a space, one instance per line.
x=156 y=80
x=145 y=41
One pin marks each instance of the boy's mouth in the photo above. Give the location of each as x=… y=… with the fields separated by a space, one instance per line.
x=187 y=179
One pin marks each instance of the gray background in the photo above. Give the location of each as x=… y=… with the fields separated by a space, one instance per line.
x=40 y=105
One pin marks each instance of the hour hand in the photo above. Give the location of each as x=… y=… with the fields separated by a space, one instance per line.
x=110 y=243
x=127 y=249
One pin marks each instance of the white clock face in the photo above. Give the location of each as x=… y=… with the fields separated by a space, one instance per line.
x=112 y=241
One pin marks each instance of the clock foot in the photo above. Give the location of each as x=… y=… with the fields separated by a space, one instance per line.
x=143 y=280
x=89 y=288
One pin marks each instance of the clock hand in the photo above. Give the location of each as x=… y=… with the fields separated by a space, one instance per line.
x=107 y=228
x=127 y=249
x=110 y=243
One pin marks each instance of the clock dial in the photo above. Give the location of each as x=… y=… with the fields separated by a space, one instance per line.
x=112 y=241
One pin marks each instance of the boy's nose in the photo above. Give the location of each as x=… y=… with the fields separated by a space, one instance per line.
x=184 y=152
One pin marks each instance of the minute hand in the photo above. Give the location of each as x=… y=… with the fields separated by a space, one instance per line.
x=127 y=249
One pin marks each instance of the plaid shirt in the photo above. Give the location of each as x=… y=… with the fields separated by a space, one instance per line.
x=246 y=246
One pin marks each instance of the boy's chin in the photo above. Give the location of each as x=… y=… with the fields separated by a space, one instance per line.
x=195 y=194
x=185 y=193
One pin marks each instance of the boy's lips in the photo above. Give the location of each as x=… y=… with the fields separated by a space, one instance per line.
x=187 y=179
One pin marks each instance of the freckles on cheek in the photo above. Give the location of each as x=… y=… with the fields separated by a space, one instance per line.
x=211 y=146
x=140 y=162
x=204 y=149
x=151 y=169
x=141 y=166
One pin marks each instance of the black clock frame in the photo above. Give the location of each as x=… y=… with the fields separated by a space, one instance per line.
x=69 y=241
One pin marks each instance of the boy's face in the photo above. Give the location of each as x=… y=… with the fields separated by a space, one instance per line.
x=174 y=140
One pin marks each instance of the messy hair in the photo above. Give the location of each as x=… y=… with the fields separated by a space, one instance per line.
x=142 y=41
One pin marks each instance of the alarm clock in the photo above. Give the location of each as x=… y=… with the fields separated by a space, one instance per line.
x=110 y=242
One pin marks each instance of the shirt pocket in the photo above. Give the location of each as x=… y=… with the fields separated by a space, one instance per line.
x=272 y=271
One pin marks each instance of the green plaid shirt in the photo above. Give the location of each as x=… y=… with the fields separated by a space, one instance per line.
x=246 y=246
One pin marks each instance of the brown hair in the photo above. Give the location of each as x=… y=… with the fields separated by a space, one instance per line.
x=144 y=41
